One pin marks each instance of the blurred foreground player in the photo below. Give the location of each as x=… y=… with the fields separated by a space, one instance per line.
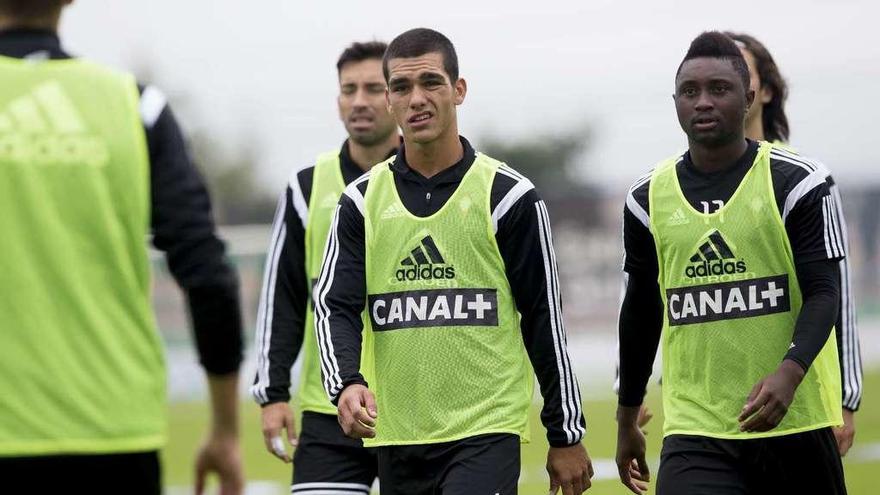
x=743 y=238
x=90 y=165
x=324 y=459
x=451 y=253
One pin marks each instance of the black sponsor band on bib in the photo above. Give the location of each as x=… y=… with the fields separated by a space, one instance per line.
x=728 y=300
x=433 y=308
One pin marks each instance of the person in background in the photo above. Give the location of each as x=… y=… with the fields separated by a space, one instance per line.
x=732 y=251
x=324 y=458
x=766 y=121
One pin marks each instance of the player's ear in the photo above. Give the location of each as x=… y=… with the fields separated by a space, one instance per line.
x=750 y=98
x=460 y=88
x=765 y=95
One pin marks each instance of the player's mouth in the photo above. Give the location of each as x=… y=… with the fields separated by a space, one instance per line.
x=420 y=120
x=361 y=121
x=704 y=123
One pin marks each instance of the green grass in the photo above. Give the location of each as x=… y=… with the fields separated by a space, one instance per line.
x=189 y=420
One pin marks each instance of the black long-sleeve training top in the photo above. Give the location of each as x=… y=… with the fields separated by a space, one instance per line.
x=181 y=222
x=515 y=208
x=808 y=202
x=286 y=295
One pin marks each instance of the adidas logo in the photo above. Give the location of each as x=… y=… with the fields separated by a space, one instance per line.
x=422 y=264
x=44 y=127
x=394 y=210
x=714 y=257
x=678 y=218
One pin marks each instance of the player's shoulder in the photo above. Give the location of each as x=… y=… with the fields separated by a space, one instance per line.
x=301 y=177
x=509 y=188
x=797 y=178
x=506 y=177
x=794 y=166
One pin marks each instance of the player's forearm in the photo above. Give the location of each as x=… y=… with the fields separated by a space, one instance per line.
x=820 y=289
x=641 y=322
x=217 y=327
x=224 y=404
x=283 y=304
x=524 y=240
x=339 y=300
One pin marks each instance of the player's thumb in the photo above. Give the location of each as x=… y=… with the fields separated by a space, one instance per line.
x=200 y=478
x=370 y=403
x=290 y=426
x=554 y=487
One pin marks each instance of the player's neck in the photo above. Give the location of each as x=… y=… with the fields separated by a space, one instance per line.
x=429 y=159
x=717 y=158
x=755 y=128
x=47 y=22
x=367 y=156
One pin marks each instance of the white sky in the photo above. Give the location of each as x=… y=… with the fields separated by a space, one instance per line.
x=262 y=73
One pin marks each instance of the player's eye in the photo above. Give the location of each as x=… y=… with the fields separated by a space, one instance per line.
x=689 y=91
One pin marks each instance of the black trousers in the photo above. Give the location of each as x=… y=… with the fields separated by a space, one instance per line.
x=328 y=461
x=134 y=474
x=481 y=465
x=805 y=462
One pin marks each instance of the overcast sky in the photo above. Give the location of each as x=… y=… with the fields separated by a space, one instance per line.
x=262 y=73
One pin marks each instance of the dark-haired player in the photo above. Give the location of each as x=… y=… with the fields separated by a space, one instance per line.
x=732 y=249
x=766 y=121
x=90 y=165
x=451 y=252
x=325 y=460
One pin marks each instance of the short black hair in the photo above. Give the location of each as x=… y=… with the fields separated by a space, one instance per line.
x=29 y=8
x=420 y=41
x=714 y=44
x=358 y=52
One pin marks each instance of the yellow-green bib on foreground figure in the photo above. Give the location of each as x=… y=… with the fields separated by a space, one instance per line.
x=81 y=363
x=449 y=357
x=731 y=299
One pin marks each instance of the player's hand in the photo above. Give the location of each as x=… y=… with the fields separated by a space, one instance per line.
x=645 y=416
x=357 y=412
x=220 y=454
x=277 y=418
x=570 y=469
x=631 y=465
x=847 y=433
x=769 y=399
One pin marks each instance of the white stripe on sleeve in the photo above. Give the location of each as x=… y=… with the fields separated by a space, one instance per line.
x=850 y=351
x=329 y=365
x=299 y=200
x=516 y=192
x=569 y=391
x=263 y=334
x=807 y=184
x=151 y=106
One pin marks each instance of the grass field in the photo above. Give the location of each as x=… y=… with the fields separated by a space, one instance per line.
x=188 y=423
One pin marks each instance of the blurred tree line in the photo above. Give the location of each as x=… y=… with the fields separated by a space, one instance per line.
x=552 y=162
x=230 y=170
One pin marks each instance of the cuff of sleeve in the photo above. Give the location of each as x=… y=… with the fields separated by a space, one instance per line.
x=355 y=380
x=558 y=443
x=797 y=359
